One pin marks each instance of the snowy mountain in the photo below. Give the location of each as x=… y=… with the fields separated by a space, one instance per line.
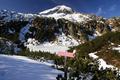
x=12 y=15
x=54 y=30
x=58 y=9
x=60 y=25
x=57 y=12
x=65 y=12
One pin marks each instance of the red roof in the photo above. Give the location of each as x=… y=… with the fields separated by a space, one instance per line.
x=65 y=53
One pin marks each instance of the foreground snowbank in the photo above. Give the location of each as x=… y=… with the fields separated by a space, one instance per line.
x=22 y=68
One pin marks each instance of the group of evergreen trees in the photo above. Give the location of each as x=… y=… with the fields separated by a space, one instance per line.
x=82 y=63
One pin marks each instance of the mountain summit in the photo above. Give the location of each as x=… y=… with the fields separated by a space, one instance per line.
x=60 y=25
x=58 y=9
x=65 y=12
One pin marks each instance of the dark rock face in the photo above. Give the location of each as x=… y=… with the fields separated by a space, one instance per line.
x=6 y=46
x=48 y=27
x=14 y=26
x=43 y=28
x=11 y=29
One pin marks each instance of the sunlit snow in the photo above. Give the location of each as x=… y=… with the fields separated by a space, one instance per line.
x=102 y=63
x=62 y=44
x=22 y=68
x=117 y=48
x=73 y=16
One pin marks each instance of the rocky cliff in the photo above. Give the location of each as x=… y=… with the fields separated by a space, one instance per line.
x=57 y=25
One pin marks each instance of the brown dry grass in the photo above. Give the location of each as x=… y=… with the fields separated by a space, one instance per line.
x=109 y=56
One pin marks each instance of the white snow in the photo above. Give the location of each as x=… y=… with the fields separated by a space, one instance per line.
x=58 y=8
x=112 y=44
x=73 y=16
x=98 y=33
x=93 y=55
x=62 y=44
x=102 y=63
x=47 y=47
x=22 y=68
x=10 y=31
x=23 y=31
x=91 y=37
x=66 y=40
x=12 y=15
x=116 y=48
x=64 y=7
x=32 y=41
x=56 y=12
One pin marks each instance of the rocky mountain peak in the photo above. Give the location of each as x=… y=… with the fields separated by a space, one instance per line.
x=64 y=12
x=58 y=9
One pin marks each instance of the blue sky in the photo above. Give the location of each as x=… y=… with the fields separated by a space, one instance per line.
x=106 y=8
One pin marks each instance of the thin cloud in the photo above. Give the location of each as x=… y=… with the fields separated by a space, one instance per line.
x=99 y=11
x=112 y=8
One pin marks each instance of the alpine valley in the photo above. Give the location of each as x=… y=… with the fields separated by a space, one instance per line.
x=95 y=40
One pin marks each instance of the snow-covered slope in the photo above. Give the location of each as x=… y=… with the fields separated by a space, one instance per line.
x=57 y=9
x=66 y=27
x=12 y=15
x=23 y=32
x=22 y=68
x=34 y=45
x=65 y=12
x=57 y=12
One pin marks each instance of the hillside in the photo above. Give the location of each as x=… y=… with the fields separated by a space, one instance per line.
x=39 y=36
x=105 y=47
x=60 y=25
